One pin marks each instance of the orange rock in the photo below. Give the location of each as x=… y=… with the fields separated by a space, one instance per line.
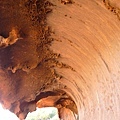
x=48 y=101
x=66 y=114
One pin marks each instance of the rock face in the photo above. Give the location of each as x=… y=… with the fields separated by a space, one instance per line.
x=24 y=63
x=61 y=53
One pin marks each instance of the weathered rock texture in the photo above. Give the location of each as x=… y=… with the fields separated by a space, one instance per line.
x=68 y=56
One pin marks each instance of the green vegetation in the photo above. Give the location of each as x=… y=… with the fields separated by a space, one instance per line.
x=49 y=113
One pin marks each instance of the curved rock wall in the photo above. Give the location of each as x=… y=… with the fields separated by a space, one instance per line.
x=70 y=56
x=88 y=40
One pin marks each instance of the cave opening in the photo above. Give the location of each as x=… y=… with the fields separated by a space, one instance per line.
x=59 y=100
x=47 y=113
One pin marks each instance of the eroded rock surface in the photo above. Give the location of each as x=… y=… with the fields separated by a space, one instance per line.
x=64 y=53
x=24 y=53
